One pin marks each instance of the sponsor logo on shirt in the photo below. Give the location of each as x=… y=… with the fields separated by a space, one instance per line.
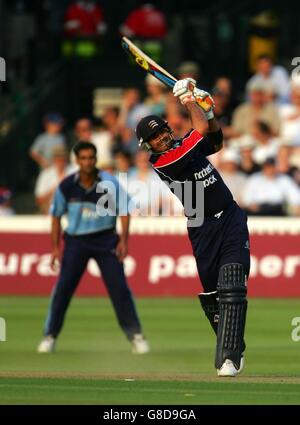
x=211 y=180
x=87 y=213
x=204 y=172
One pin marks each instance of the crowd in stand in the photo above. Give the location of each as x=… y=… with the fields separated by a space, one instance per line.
x=260 y=161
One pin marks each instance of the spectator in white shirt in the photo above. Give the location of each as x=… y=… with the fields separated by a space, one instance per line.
x=275 y=75
x=270 y=193
x=290 y=118
x=49 y=179
x=233 y=178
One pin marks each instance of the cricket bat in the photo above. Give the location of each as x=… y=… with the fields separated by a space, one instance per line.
x=149 y=65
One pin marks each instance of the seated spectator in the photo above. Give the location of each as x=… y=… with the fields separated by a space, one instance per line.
x=82 y=130
x=42 y=148
x=256 y=108
x=266 y=146
x=274 y=75
x=271 y=193
x=290 y=118
x=82 y=133
x=233 y=178
x=189 y=69
x=132 y=110
x=247 y=164
x=288 y=161
x=180 y=123
x=102 y=139
x=5 y=202
x=84 y=19
x=221 y=94
x=123 y=166
x=110 y=120
x=49 y=179
x=156 y=99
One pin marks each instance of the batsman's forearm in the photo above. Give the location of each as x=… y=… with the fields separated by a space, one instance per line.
x=55 y=232
x=198 y=119
x=125 y=221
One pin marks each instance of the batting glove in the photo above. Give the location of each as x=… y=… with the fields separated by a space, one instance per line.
x=183 y=89
x=205 y=101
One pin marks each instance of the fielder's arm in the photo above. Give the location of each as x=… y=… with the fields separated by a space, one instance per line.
x=55 y=239
x=122 y=247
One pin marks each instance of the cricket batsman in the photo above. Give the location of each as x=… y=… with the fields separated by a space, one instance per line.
x=221 y=243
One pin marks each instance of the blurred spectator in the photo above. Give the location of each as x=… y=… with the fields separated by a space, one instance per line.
x=271 y=193
x=233 y=178
x=84 y=19
x=266 y=146
x=290 y=118
x=145 y=22
x=172 y=105
x=156 y=100
x=221 y=93
x=274 y=75
x=132 y=110
x=110 y=119
x=49 y=179
x=247 y=164
x=180 y=123
x=103 y=141
x=257 y=108
x=82 y=131
x=283 y=160
x=42 y=148
x=224 y=85
x=142 y=172
x=5 y=202
x=123 y=166
x=288 y=162
x=189 y=69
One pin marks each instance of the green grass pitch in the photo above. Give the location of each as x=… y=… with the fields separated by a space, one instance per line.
x=94 y=365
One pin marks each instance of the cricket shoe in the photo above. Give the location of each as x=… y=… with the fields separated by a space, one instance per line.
x=139 y=344
x=47 y=345
x=229 y=370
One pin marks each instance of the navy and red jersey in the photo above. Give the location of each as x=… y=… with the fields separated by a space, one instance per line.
x=187 y=162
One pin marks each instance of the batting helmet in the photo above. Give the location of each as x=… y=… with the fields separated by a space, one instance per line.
x=147 y=128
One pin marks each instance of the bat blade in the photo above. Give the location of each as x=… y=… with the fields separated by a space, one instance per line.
x=157 y=71
x=147 y=63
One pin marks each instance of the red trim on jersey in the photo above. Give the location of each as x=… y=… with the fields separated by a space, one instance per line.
x=174 y=155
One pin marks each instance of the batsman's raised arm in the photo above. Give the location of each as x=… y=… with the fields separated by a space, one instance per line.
x=200 y=106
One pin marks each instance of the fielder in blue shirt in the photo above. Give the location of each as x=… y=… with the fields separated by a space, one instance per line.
x=91 y=233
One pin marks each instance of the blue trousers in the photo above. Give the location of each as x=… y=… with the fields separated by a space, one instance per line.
x=220 y=241
x=77 y=252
